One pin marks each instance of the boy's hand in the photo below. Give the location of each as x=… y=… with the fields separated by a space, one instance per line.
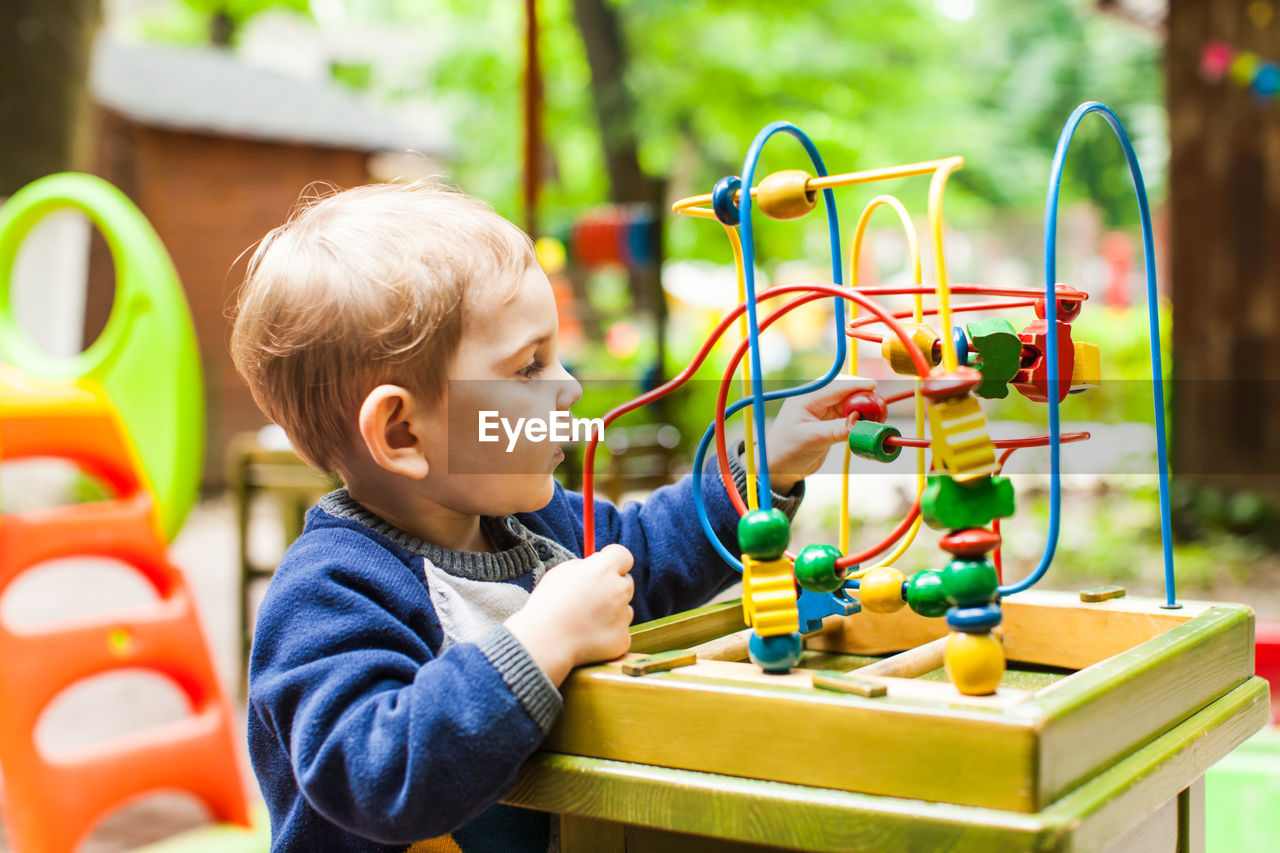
x=578 y=613
x=804 y=430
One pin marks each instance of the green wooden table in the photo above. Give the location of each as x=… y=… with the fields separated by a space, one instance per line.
x=1098 y=743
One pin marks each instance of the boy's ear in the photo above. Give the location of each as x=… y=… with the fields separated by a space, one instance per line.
x=387 y=428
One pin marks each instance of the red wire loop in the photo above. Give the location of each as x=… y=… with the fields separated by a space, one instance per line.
x=812 y=291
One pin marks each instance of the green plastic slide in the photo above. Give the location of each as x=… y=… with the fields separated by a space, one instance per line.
x=146 y=358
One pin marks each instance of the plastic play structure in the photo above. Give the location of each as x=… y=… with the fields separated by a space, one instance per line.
x=128 y=410
x=954 y=366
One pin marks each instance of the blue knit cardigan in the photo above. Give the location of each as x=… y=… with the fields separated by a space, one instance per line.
x=366 y=737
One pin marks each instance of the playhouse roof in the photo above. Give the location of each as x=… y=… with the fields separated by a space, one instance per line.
x=210 y=90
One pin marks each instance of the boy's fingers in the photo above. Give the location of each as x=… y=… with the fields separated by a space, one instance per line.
x=840 y=387
x=828 y=432
x=618 y=558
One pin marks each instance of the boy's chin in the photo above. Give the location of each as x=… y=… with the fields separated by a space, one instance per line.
x=527 y=493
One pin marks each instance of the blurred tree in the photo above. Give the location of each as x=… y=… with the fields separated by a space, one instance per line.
x=1224 y=256
x=675 y=89
x=689 y=82
x=615 y=112
x=44 y=68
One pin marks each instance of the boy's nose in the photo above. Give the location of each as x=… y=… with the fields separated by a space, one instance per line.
x=570 y=389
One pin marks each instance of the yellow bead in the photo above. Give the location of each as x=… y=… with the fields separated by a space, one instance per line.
x=895 y=351
x=786 y=195
x=975 y=662
x=881 y=590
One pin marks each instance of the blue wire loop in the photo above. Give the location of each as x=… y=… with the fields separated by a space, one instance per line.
x=1051 y=350
x=758 y=397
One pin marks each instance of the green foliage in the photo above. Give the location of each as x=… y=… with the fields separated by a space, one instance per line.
x=1203 y=514
x=242 y=10
x=1036 y=63
x=190 y=21
x=353 y=75
x=1113 y=535
x=873 y=83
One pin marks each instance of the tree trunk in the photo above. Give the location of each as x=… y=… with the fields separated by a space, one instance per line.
x=1224 y=188
x=616 y=117
x=45 y=46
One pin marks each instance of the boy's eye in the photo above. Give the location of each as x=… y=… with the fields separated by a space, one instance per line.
x=531 y=369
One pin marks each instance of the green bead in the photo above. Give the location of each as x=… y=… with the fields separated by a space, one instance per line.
x=998 y=353
x=969 y=583
x=816 y=568
x=925 y=594
x=763 y=534
x=948 y=505
x=866 y=439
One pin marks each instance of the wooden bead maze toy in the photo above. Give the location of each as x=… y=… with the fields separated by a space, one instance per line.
x=840 y=642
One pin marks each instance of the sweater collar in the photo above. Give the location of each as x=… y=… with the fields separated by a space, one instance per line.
x=520 y=550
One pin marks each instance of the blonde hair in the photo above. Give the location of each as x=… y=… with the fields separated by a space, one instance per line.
x=361 y=288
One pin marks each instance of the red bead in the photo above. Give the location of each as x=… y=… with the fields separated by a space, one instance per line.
x=948 y=386
x=1068 y=309
x=1032 y=380
x=869 y=405
x=970 y=542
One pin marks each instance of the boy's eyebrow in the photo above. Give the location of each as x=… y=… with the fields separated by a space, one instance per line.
x=531 y=342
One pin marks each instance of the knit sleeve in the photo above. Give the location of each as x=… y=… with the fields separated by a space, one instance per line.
x=384 y=738
x=676 y=567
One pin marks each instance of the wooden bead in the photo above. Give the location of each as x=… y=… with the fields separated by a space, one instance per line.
x=998 y=355
x=881 y=590
x=948 y=505
x=1032 y=380
x=895 y=351
x=961 y=343
x=1068 y=309
x=786 y=195
x=974 y=662
x=1086 y=371
x=763 y=534
x=949 y=386
x=970 y=542
x=960 y=441
x=724 y=201
x=816 y=570
x=969 y=583
x=974 y=620
x=925 y=595
x=777 y=653
x=867 y=440
x=869 y=405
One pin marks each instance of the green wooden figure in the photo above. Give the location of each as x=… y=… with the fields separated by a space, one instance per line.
x=996 y=352
x=948 y=505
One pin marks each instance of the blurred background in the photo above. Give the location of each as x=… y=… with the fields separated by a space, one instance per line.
x=583 y=119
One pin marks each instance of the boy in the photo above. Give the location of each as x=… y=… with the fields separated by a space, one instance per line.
x=410 y=646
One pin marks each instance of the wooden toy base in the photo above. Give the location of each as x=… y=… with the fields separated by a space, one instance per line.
x=1097 y=736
